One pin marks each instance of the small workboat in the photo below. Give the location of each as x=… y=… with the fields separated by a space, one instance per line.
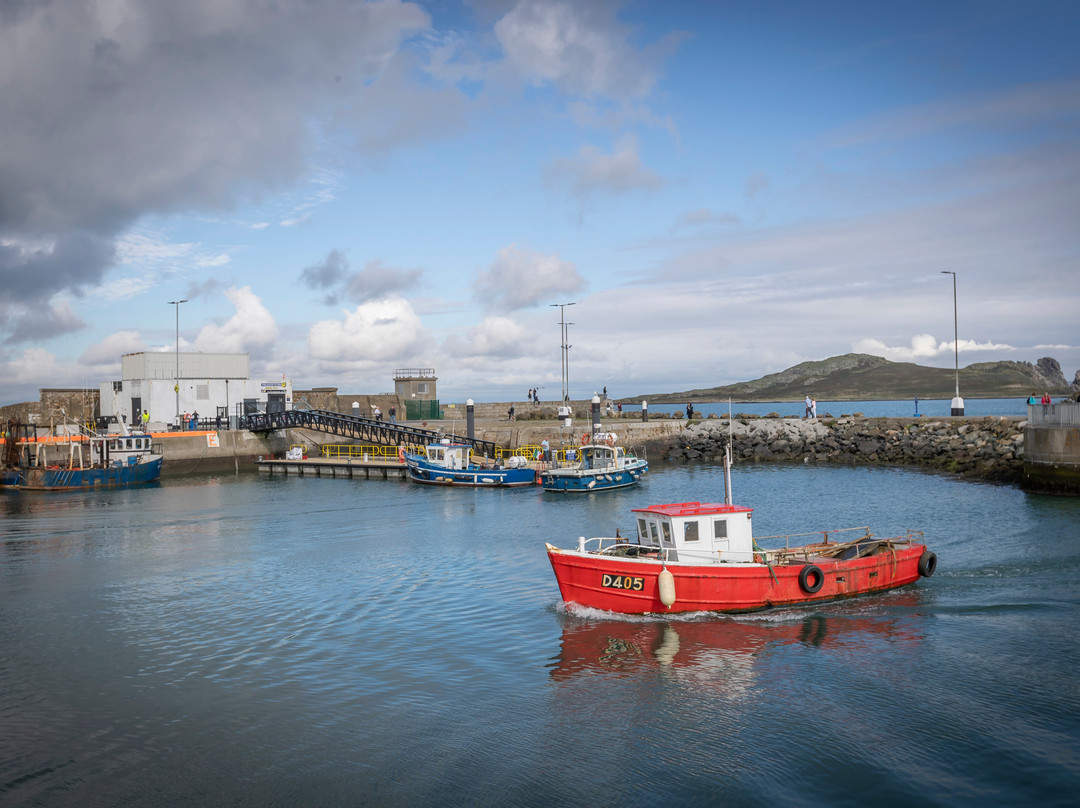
x=115 y=460
x=598 y=465
x=702 y=557
x=446 y=463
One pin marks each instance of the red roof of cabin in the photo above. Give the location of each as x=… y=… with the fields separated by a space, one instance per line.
x=692 y=509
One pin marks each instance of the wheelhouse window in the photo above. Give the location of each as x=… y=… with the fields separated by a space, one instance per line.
x=720 y=529
x=667 y=532
x=690 y=531
x=642 y=528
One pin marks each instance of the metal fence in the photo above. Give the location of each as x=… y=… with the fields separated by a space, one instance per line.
x=1063 y=413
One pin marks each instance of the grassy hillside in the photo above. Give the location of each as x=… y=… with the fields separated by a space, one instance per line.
x=858 y=377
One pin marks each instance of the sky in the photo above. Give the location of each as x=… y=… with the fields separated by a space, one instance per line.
x=723 y=190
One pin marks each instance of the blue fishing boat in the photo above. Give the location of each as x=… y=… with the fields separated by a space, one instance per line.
x=114 y=460
x=596 y=466
x=447 y=463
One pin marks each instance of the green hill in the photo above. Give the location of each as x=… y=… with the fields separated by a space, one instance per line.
x=862 y=377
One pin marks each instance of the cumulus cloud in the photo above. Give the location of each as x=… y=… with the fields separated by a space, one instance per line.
x=251 y=328
x=336 y=281
x=521 y=278
x=495 y=337
x=592 y=171
x=579 y=47
x=925 y=346
x=140 y=107
x=108 y=351
x=375 y=331
x=30 y=325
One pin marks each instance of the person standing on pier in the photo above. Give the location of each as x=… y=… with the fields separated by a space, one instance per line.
x=807 y=414
x=393 y=415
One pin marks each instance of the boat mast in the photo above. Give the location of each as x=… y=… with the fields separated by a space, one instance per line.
x=727 y=460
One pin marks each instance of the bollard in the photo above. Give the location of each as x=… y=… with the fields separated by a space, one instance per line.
x=644 y=410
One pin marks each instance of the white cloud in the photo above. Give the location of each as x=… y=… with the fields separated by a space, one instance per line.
x=579 y=47
x=925 y=346
x=591 y=170
x=379 y=330
x=520 y=278
x=251 y=327
x=109 y=350
x=495 y=337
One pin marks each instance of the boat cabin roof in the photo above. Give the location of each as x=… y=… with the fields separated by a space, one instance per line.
x=676 y=509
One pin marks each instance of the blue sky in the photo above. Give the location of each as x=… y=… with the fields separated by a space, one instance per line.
x=723 y=190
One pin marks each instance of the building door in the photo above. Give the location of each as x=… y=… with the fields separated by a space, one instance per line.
x=136 y=409
x=275 y=402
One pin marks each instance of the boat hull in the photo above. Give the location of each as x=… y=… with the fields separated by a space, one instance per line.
x=62 y=479
x=631 y=586
x=428 y=474
x=573 y=481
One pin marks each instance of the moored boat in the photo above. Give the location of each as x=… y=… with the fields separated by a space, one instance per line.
x=447 y=463
x=599 y=465
x=694 y=556
x=115 y=460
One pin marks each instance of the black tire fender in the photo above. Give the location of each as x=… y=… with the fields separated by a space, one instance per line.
x=811 y=578
x=927 y=563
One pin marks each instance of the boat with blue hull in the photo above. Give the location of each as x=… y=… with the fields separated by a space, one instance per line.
x=448 y=463
x=115 y=460
x=596 y=466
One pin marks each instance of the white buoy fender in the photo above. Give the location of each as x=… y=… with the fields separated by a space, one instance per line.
x=666 y=585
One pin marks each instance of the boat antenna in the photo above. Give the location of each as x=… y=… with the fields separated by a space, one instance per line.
x=727 y=460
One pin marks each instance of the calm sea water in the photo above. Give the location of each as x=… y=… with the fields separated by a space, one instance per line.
x=927 y=408
x=256 y=640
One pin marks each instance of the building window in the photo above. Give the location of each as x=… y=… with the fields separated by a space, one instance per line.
x=421 y=388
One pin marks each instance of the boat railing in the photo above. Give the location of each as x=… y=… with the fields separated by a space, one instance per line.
x=598 y=544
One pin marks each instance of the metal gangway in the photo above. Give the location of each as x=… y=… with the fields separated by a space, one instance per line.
x=358 y=428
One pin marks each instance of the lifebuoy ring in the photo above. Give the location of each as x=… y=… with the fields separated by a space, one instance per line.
x=584 y=438
x=927 y=563
x=401 y=454
x=811 y=578
x=611 y=439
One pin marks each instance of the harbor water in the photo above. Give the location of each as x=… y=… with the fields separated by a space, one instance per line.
x=298 y=641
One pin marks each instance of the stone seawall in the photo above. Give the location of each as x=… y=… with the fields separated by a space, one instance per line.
x=989 y=448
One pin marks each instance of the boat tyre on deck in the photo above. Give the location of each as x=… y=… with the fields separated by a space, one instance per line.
x=927 y=563
x=811 y=578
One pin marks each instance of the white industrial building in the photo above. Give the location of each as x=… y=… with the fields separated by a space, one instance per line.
x=211 y=384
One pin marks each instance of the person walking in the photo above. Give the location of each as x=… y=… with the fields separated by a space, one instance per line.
x=813 y=408
x=807 y=413
x=510 y=414
x=393 y=415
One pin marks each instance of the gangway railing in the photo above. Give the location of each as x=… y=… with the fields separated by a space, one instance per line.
x=1063 y=413
x=358 y=428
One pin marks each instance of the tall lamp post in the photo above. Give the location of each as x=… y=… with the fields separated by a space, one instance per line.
x=176 y=388
x=565 y=348
x=957 y=402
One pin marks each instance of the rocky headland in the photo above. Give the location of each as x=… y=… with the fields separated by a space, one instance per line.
x=990 y=448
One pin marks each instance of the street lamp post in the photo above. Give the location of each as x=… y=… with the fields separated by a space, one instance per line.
x=957 y=402
x=176 y=388
x=565 y=348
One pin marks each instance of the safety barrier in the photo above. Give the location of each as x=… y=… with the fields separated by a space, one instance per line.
x=1064 y=413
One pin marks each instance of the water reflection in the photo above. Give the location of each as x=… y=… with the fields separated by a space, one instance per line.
x=722 y=653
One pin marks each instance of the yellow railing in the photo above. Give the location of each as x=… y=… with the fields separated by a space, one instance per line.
x=371 y=452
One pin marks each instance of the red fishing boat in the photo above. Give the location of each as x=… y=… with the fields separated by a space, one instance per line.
x=702 y=557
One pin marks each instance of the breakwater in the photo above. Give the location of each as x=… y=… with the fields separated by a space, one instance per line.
x=989 y=448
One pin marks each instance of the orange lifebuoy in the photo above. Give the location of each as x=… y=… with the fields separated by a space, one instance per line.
x=584 y=438
x=401 y=454
x=611 y=439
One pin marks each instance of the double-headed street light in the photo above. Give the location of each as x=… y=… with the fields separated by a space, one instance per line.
x=176 y=388
x=565 y=348
x=957 y=402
